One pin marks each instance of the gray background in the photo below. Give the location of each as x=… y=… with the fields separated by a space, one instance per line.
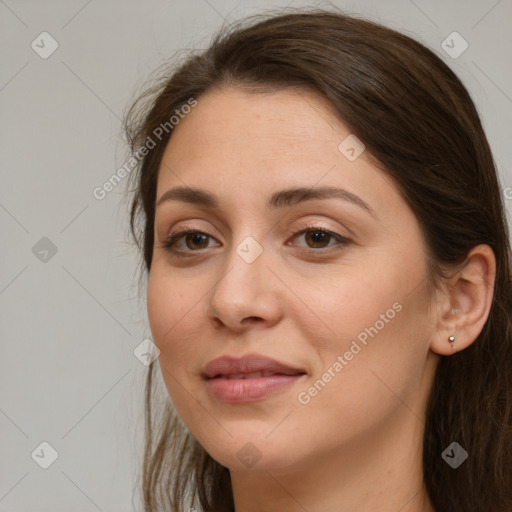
x=71 y=320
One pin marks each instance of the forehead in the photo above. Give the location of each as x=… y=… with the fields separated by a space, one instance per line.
x=247 y=144
x=237 y=124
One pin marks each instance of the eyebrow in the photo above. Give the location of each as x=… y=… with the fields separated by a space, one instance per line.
x=280 y=199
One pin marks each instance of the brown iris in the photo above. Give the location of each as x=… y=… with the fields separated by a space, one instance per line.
x=197 y=238
x=317 y=237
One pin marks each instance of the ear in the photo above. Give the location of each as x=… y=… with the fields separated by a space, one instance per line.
x=464 y=307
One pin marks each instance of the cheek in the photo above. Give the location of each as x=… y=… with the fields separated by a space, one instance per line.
x=170 y=300
x=354 y=302
x=350 y=397
x=375 y=320
x=174 y=309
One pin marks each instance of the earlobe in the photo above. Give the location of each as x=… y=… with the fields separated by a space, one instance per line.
x=464 y=308
x=445 y=341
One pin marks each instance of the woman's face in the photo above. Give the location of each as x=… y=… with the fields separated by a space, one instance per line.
x=344 y=302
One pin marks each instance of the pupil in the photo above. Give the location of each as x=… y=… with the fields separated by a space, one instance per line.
x=318 y=236
x=197 y=238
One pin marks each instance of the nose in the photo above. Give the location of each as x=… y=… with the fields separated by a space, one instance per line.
x=246 y=294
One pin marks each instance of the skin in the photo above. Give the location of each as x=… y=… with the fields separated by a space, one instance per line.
x=357 y=444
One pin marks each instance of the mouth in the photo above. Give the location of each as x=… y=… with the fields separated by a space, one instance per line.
x=252 y=375
x=249 y=387
x=248 y=378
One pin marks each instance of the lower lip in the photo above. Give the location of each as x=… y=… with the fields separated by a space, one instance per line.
x=248 y=390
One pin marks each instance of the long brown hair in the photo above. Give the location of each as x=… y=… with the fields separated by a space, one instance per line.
x=419 y=123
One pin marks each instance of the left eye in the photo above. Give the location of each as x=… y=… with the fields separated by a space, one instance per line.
x=316 y=238
x=319 y=237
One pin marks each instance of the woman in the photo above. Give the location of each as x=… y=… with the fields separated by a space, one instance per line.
x=329 y=277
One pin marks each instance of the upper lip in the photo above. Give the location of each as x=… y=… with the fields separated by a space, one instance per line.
x=229 y=365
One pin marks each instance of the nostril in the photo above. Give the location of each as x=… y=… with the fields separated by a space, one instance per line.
x=251 y=319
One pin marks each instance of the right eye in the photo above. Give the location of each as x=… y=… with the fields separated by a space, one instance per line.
x=194 y=240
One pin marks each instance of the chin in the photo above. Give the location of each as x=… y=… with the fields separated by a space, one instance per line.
x=241 y=454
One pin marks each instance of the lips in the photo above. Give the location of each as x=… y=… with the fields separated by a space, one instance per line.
x=250 y=378
x=246 y=367
x=248 y=375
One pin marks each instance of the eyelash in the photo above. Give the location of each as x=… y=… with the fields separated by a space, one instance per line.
x=342 y=241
